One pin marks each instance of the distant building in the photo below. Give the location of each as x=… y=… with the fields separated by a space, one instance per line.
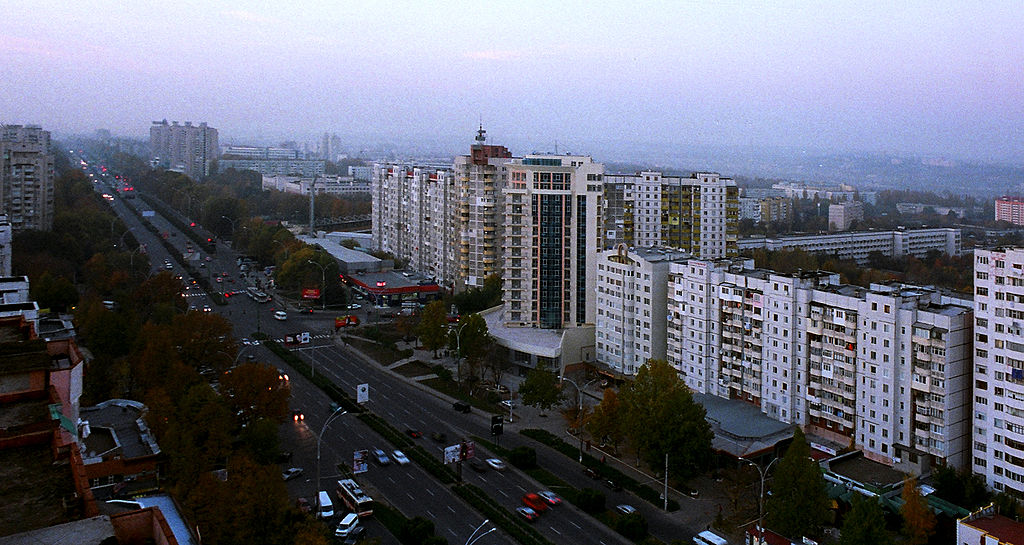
x=766 y=209
x=325 y=185
x=841 y=216
x=1010 y=209
x=6 y=235
x=919 y=208
x=364 y=174
x=189 y=149
x=26 y=177
x=269 y=161
x=841 y=193
x=859 y=244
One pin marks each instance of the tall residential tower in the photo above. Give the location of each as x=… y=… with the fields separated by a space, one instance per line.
x=26 y=177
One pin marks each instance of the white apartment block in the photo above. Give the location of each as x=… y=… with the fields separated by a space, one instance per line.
x=26 y=177
x=480 y=183
x=698 y=213
x=552 y=232
x=857 y=245
x=998 y=452
x=887 y=369
x=415 y=217
x=631 y=300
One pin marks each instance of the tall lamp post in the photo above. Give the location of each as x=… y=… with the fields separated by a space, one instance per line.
x=319 y=437
x=760 y=503
x=233 y=222
x=579 y=409
x=323 y=283
x=458 y=351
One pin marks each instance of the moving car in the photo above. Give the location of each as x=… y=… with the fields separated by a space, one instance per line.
x=400 y=457
x=381 y=457
x=496 y=464
x=280 y=315
x=550 y=497
x=415 y=434
x=477 y=465
x=529 y=514
x=291 y=473
x=625 y=509
x=355 y=306
x=535 y=502
x=298 y=416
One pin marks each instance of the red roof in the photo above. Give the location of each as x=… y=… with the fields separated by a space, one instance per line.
x=1004 y=529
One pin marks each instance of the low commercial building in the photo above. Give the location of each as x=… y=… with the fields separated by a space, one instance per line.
x=119 y=451
x=323 y=185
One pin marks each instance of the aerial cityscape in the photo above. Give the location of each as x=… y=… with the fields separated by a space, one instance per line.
x=702 y=272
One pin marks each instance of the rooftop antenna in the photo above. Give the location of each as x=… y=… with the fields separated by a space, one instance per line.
x=556 y=147
x=481 y=135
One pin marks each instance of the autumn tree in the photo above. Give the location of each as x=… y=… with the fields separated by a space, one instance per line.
x=918 y=518
x=473 y=341
x=604 y=423
x=432 y=328
x=540 y=389
x=660 y=417
x=865 y=524
x=253 y=391
x=798 y=505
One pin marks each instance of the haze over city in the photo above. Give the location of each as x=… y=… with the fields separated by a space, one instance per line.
x=917 y=78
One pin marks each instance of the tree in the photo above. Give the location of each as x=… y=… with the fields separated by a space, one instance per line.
x=918 y=518
x=474 y=342
x=54 y=292
x=660 y=417
x=604 y=423
x=253 y=391
x=432 y=328
x=798 y=505
x=540 y=389
x=865 y=524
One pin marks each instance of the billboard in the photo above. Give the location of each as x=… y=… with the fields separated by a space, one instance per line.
x=362 y=393
x=452 y=454
x=359 y=458
x=310 y=293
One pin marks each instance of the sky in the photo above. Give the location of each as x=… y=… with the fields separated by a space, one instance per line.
x=931 y=78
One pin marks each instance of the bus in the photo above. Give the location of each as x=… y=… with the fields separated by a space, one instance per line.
x=354 y=497
x=708 y=537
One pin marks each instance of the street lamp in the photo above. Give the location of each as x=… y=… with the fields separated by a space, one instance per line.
x=760 y=503
x=233 y=222
x=323 y=283
x=470 y=540
x=330 y=418
x=579 y=409
x=458 y=354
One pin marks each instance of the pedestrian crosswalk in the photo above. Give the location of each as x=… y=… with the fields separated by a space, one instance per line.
x=316 y=336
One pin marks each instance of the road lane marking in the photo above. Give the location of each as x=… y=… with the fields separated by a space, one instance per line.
x=450 y=508
x=503 y=493
x=554 y=530
x=576 y=525
x=429 y=491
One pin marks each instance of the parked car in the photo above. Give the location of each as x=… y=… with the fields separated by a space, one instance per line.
x=381 y=457
x=355 y=536
x=590 y=473
x=355 y=306
x=302 y=504
x=612 y=485
x=508 y=403
x=284 y=457
x=400 y=457
x=291 y=473
x=496 y=464
x=462 y=407
x=529 y=514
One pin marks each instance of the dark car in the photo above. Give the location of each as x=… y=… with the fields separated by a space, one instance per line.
x=477 y=465
x=415 y=434
x=284 y=457
x=291 y=473
x=355 y=536
x=439 y=437
x=590 y=473
x=462 y=407
x=612 y=485
x=529 y=514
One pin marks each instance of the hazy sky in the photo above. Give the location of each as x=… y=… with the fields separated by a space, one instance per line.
x=922 y=77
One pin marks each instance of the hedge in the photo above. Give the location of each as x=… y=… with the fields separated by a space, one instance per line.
x=507 y=520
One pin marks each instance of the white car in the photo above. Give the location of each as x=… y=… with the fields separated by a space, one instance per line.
x=280 y=315
x=625 y=509
x=400 y=457
x=495 y=464
x=355 y=306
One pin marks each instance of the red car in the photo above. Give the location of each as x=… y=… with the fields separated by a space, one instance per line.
x=535 y=502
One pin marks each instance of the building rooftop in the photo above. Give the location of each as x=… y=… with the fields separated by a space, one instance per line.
x=855 y=468
x=36 y=492
x=542 y=342
x=741 y=429
x=1005 y=529
x=116 y=423
x=91 y=531
x=174 y=519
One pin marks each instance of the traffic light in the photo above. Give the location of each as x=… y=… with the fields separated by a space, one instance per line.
x=496 y=425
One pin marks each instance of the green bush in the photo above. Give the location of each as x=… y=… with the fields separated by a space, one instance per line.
x=442 y=372
x=590 y=500
x=632 y=526
x=415 y=531
x=523 y=457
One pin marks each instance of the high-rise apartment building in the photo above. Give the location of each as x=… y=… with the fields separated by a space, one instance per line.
x=480 y=184
x=697 y=213
x=886 y=369
x=998 y=420
x=841 y=216
x=26 y=177
x=415 y=217
x=552 y=233
x=1010 y=209
x=189 y=149
x=632 y=286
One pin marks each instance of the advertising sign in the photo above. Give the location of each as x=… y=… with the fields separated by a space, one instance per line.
x=310 y=293
x=362 y=393
x=452 y=454
x=359 y=458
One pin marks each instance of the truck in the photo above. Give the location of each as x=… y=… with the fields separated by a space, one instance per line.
x=345 y=321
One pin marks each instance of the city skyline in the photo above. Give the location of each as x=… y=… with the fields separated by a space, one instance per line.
x=936 y=79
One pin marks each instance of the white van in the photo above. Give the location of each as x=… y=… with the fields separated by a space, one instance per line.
x=325 y=509
x=707 y=537
x=347 y=524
